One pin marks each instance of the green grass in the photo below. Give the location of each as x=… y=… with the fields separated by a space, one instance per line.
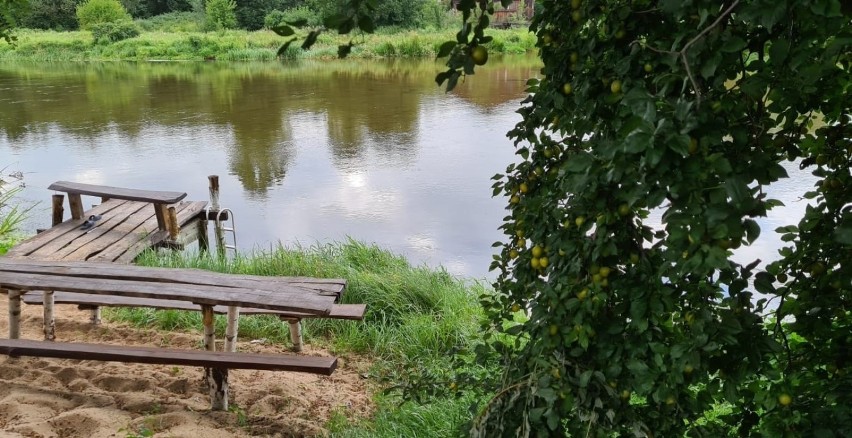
x=415 y=315
x=236 y=45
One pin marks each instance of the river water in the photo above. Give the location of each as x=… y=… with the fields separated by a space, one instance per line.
x=307 y=153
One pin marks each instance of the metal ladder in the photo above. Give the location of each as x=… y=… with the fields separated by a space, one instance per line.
x=221 y=230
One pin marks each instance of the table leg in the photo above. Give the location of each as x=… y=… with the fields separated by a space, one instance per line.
x=207 y=318
x=233 y=327
x=14 y=314
x=49 y=321
x=296 y=333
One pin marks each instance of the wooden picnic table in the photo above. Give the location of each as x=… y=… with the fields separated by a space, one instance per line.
x=304 y=296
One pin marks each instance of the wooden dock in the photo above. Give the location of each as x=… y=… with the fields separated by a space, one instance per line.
x=124 y=230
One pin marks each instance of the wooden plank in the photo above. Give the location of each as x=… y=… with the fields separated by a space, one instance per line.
x=171 y=275
x=118 y=192
x=58 y=210
x=32 y=244
x=338 y=311
x=162 y=356
x=128 y=248
x=294 y=299
x=68 y=243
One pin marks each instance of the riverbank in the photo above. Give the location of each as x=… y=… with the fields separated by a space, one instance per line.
x=237 y=45
x=415 y=318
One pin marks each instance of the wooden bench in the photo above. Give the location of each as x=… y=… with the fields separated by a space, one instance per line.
x=353 y=312
x=299 y=296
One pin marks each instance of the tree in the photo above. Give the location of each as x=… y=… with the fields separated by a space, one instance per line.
x=10 y=13
x=93 y=12
x=220 y=14
x=686 y=109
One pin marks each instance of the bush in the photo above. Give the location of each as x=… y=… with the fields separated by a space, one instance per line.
x=173 y=22
x=251 y=14
x=93 y=12
x=276 y=17
x=105 y=33
x=220 y=14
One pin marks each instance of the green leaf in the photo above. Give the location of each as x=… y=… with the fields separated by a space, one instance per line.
x=343 y=51
x=843 y=234
x=365 y=23
x=763 y=283
x=310 y=39
x=284 y=48
x=446 y=48
x=283 y=30
x=733 y=44
x=778 y=51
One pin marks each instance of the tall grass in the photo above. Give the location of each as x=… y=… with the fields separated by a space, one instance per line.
x=11 y=216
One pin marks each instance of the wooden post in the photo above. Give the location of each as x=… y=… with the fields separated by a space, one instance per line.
x=14 y=314
x=203 y=241
x=214 y=209
x=208 y=319
x=161 y=213
x=172 y=224
x=49 y=322
x=219 y=389
x=75 y=201
x=95 y=317
x=233 y=327
x=296 y=333
x=58 y=210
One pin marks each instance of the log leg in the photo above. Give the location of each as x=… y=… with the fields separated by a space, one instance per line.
x=233 y=327
x=95 y=319
x=219 y=389
x=49 y=322
x=58 y=211
x=296 y=334
x=203 y=240
x=207 y=318
x=14 y=314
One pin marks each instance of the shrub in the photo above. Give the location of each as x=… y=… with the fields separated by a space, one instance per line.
x=51 y=14
x=93 y=12
x=220 y=14
x=173 y=22
x=276 y=17
x=251 y=14
x=105 y=33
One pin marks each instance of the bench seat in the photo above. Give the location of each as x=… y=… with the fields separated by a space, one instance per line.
x=338 y=311
x=163 y=356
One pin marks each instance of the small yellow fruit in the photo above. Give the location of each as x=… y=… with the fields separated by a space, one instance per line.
x=453 y=386
x=623 y=209
x=785 y=399
x=514 y=199
x=648 y=67
x=625 y=394
x=519 y=232
x=579 y=221
x=575 y=4
x=537 y=251
x=562 y=252
x=543 y=262
x=567 y=89
x=522 y=243
x=688 y=369
x=604 y=272
x=597 y=278
x=670 y=400
x=479 y=55
x=515 y=308
x=634 y=258
x=547 y=38
x=782 y=277
x=554 y=329
x=535 y=263
x=615 y=86
x=620 y=34
x=583 y=294
x=576 y=16
x=513 y=254
x=524 y=188
x=573 y=57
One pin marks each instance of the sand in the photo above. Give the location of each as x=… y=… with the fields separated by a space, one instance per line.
x=72 y=398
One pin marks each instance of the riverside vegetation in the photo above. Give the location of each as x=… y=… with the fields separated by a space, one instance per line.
x=228 y=31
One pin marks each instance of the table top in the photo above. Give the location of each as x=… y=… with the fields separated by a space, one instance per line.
x=301 y=294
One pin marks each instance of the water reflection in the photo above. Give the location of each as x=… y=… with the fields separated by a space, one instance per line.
x=321 y=150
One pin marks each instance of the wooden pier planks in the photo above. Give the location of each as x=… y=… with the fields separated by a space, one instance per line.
x=125 y=230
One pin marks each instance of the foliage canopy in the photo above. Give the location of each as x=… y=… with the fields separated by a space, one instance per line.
x=92 y=12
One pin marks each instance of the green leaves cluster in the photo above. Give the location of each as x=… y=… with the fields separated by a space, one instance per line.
x=10 y=12
x=220 y=14
x=685 y=110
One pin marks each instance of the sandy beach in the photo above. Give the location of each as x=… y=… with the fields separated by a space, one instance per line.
x=71 y=398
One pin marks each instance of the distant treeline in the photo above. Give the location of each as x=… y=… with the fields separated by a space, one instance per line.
x=249 y=14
